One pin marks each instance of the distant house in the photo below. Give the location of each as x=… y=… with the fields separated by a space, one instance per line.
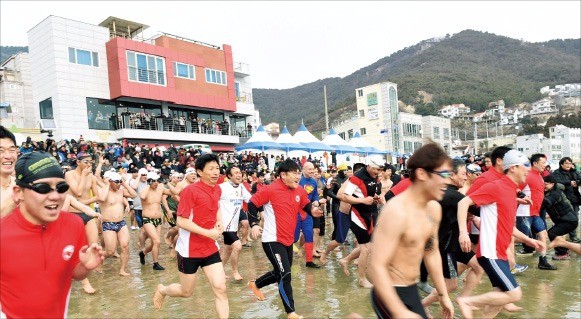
x=543 y=106
x=454 y=110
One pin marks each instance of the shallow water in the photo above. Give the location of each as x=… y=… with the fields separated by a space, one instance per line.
x=318 y=293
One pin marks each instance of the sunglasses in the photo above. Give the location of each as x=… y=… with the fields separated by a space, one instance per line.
x=44 y=188
x=443 y=174
x=116 y=182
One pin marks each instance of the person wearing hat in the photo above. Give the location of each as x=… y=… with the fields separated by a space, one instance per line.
x=561 y=212
x=111 y=202
x=362 y=192
x=38 y=285
x=498 y=205
x=151 y=197
x=84 y=187
x=8 y=155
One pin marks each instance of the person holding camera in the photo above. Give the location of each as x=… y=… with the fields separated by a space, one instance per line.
x=571 y=179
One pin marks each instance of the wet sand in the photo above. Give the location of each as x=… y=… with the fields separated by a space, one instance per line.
x=318 y=293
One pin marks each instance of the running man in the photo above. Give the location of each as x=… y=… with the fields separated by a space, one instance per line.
x=454 y=261
x=111 y=203
x=363 y=195
x=84 y=187
x=233 y=195
x=304 y=220
x=42 y=249
x=151 y=197
x=497 y=201
x=200 y=225
x=8 y=154
x=407 y=232
x=282 y=199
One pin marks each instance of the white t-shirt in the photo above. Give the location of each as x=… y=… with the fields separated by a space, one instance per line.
x=231 y=204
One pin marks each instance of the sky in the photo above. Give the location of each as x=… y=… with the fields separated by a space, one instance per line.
x=291 y=43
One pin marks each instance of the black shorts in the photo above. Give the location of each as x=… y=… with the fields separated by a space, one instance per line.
x=449 y=265
x=463 y=257
x=189 y=266
x=409 y=296
x=319 y=222
x=243 y=216
x=173 y=222
x=230 y=237
x=86 y=218
x=498 y=272
x=363 y=235
x=474 y=238
x=139 y=217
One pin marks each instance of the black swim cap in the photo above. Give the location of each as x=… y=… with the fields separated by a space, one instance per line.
x=37 y=165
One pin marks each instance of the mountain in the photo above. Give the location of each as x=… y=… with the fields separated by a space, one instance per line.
x=470 y=67
x=6 y=52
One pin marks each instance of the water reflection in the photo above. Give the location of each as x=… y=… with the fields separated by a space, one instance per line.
x=319 y=293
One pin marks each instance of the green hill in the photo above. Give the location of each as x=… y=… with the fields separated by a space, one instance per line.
x=470 y=67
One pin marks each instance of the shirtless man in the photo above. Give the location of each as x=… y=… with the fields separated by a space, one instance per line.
x=407 y=231
x=151 y=197
x=111 y=202
x=84 y=187
x=8 y=155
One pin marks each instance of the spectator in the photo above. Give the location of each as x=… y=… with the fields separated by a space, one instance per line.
x=571 y=179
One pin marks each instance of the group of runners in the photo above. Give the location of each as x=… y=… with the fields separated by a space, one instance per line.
x=425 y=218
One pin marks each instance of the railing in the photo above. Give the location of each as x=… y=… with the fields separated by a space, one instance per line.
x=244 y=97
x=241 y=67
x=180 y=125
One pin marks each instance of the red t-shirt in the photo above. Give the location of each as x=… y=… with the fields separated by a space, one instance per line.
x=37 y=264
x=537 y=186
x=249 y=189
x=497 y=201
x=401 y=186
x=281 y=205
x=198 y=203
x=489 y=176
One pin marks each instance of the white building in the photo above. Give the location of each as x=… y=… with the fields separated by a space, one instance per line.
x=565 y=141
x=454 y=110
x=543 y=106
x=438 y=129
x=410 y=126
x=16 y=92
x=377 y=117
x=70 y=65
x=533 y=144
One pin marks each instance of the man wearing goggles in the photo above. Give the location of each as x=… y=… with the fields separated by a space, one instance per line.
x=39 y=225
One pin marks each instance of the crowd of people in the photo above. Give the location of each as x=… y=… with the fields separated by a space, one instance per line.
x=436 y=218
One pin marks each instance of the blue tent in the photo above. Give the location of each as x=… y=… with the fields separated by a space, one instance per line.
x=360 y=143
x=259 y=142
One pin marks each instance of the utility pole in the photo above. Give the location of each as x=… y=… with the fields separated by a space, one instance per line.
x=326 y=111
x=475 y=139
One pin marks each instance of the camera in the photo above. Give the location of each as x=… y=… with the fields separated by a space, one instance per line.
x=521 y=195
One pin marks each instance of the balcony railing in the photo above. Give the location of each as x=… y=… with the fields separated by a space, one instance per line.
x=180 y=125
x=244 y=97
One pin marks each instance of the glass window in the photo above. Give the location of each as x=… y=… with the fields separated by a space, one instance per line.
x=363 y=131
x=95 y=59
x=72 y=55
x=46 y=109
x=360 y=93
x=350 y=133
x=215 y=76
x=145 y=68
x=361 y=113
x=101 y=116
x=237 y=89
x=436 y=132
x=83 y=57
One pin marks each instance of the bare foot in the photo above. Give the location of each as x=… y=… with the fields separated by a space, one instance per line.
x=511 y=307
x=323 y=258
x=124 y=273
x=345 y=265
x=557 y=242
x=158 y=297
x=167 y=241
x=428 y=313
x=354 y=315
x=364 y=283
x=237 y=276
x=116 y=255
x=87 y=287
x=294 y=315
x=465 y=308
x=259 y=295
